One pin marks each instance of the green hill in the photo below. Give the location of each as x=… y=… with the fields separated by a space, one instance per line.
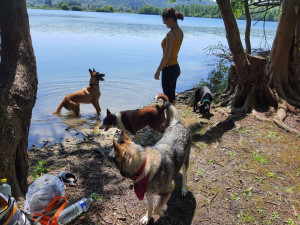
x=132 y=4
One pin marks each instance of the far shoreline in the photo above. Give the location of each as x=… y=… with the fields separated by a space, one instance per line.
x=123 y=12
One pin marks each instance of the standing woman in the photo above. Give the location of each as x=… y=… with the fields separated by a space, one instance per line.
x=170 y=45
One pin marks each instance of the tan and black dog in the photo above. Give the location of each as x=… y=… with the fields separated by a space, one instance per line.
x=153 y=169
x=90 y=94
x=135 y=120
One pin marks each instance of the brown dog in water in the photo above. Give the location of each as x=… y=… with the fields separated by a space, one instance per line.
x=90 y=94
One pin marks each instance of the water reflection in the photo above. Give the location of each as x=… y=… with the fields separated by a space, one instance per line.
x=126 y=48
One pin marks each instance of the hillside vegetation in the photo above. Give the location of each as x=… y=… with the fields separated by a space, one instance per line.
x=132 y=4
x=193 y=8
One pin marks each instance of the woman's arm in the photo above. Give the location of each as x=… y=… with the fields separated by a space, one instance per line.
x=169 y=43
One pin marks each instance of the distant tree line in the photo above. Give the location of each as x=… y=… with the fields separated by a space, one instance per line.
x=125 y=4
x=190 y=10
x=212 y=11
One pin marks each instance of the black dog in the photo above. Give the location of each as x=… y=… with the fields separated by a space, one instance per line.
x=202 y=94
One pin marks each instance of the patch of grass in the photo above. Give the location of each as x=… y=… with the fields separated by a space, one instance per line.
x=258 y=179
x=96 y=197
x=199 y=173
x=279 y=199
x=275 y=216
x=248 y=192
x=208 y=202
x=39 y=169
x=246 y=132
x=261 y=212
x=203 y=145
x=233 y=197
x=280 y=178
x=267 y=222
x=277 y=188
x=270 y=175
x=222 y=149
x=259 y=158
x=246 y=218
x=233 y=153
x=183 y=115
x=289 y=190
x=210 y=162
x=291 y=221
x=273 y=135
x=243 y=166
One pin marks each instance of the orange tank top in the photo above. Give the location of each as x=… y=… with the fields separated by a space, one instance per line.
x=175 y=49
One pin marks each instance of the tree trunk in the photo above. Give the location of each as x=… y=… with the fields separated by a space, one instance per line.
x=252 y=90
x=296 y=58
x=282 y=78
x=18 y=87
x=248 y=27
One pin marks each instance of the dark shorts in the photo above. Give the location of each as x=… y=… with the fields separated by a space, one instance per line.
x=169 y=79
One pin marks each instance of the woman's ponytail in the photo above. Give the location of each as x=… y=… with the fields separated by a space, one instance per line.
x=179 y=15
x=172 y=13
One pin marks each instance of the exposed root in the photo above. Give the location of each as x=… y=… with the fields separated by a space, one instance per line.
x=259 y=117
x=285 y=127
x=280 y=116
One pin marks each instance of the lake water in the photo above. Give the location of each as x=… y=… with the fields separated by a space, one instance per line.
x=126 y=47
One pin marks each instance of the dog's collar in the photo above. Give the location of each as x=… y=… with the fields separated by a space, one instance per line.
x=140 y=187
x=140 y=171
x=93 y=84
x=206 y=100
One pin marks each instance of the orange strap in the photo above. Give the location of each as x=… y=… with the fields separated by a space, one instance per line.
x=54 y=205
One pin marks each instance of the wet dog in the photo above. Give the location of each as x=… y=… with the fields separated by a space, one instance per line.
x=153 y=169
x=202 y=95
x=135 y=120
x=90 y=94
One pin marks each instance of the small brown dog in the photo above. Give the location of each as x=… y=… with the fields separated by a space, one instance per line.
x=90 y=94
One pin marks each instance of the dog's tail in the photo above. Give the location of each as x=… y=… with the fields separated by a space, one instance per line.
x=172 y=112
x=161 y=96
x=59 y=108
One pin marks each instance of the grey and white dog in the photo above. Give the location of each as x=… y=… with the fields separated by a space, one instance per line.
x=153 y=169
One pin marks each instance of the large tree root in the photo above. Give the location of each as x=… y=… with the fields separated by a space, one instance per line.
x=278 y=119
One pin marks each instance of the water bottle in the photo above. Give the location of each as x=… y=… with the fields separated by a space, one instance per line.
x=4 y=187
x=74 y=210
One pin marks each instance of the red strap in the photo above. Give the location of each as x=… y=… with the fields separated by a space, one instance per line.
x=54 y=204
x=141 y=186
x=140 y=171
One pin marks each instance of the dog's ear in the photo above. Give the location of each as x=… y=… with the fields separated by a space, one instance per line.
x=119 y=149
x=91 y=72
x=124 y=137
x=108 y=112
x=94 y=69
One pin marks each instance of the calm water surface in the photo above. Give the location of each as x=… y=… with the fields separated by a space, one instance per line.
x=126 y=47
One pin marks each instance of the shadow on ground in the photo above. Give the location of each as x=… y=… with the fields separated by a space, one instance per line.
x=180 y=210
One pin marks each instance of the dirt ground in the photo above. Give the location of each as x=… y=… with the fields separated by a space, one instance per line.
x=242 y=171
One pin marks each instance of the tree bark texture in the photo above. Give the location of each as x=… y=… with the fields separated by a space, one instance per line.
x=248 y=27
x=18 y=88
x=296 y=57
x=252 y=89
x=282 y=78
